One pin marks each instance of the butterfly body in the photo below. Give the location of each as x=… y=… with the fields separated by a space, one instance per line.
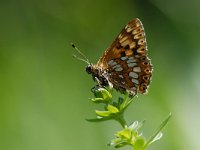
x=99 y=75
x=125 y=64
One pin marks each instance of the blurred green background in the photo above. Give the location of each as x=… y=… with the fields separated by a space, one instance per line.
x=44 y=91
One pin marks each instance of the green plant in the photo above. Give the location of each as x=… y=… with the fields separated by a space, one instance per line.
x=130 y=134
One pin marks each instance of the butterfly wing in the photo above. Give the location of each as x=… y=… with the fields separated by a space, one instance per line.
x=126 y=61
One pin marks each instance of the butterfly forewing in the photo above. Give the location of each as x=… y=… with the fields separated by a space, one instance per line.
x=126 y=62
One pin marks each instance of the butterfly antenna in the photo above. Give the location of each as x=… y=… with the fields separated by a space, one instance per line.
x=80 y=59
x=85 y=58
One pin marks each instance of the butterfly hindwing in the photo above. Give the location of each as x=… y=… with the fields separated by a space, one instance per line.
x=126 y=61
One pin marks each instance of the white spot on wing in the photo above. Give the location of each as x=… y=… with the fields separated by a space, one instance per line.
x=123 y=58
x=133 y=88
x=121 y=76
x=116 y=66
x=131 y=60
x=119 y=69
x=112 y=63
x=133 y=74
x=137 y=69
x=132 y=65
x=135 y=81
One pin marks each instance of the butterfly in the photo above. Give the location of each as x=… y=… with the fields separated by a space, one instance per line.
x=125 y=65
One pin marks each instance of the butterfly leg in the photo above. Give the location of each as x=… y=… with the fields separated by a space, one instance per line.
x=105 y=84
x=98 y=81
x=93 y=89
x=110 y=85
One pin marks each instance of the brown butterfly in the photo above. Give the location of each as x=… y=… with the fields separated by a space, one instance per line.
x=125 y=64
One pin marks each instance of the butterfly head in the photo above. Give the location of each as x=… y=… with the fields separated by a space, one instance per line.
x=93 y=70
x=89 y=68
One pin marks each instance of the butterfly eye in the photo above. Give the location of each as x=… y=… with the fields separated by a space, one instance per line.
x=89 y=69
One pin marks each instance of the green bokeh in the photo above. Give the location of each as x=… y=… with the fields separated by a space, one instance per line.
x=44 y=91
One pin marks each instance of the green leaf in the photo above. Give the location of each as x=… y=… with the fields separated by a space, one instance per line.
x=136 y=125
x=128 y=103
x=123 y=103
x=125 y=134
x=118 y=143
x=120 y=101
x=139 y=144
x=122 y=144
x=100 y=119
x=97 y=100
x=104 y=94
x=157 y=135
x=112 y=109
x=156 y=138
x=103 y=113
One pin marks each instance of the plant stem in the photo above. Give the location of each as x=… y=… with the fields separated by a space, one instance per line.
x=119 y=117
